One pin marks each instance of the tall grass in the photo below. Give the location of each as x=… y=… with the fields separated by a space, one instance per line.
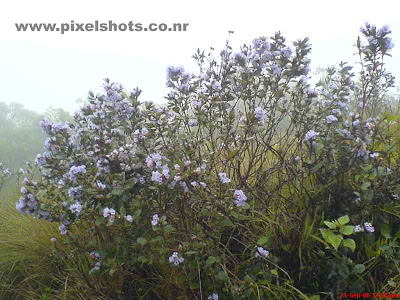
x=26 y=258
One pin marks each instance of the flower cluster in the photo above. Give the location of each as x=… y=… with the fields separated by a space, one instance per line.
x=261 y=251
x=240 y=198
x=176 y=259
x=368 y=227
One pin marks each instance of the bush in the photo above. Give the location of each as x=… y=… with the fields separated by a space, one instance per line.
x=221 y=193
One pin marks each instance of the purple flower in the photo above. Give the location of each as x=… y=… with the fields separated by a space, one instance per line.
x=310 y=135
x=369 y=227
x=109 y=213
x=261 y=251
x=330 y=119
x=276 y=70
x=214 y=296
x=358 y=228
x=193 y=123
x=76 y=208
x=156 y=177
x=223 y=178
x=176 y=259
x=240 y=197
x=129 y=218
x=260 y=114
x=155 y=220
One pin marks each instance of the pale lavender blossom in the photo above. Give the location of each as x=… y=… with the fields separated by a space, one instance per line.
x=240 y=197
x=223 y=178
x=63 y=229
x=259 y=113
x=156 y=177
x=76 y=208
x=97 y=266
x=155 y=220
x=153 y=160
x=176 y=259
x=101 y=185
x=196 y=104
x=109 y=213
x=276 y=70
x=330 y=119
x=369 y=227
x=358 y=228
x=193 y=123
x=129 y=218
x=214 y=296
x=261 y=251
x=310 y=135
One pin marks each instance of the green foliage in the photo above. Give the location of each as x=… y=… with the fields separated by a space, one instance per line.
x=252 y=196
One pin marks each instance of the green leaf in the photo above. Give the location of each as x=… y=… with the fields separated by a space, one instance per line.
x=365 y=185
x=130 y=183
x=222 y=276
x=317 y=167
x=194 y=285
x=385 y=231
x=263 y=240
x=117 y=192
x=335 y=240
x=349 y=243
x=346 y=230
x=326 y=233
x=225 y=222
x=391 y=283
x=168 y=228
x=274 y=272
x=232 y=154
x=330 y=224
x=344 y=220
x=112 y=271
x=358 y=269
x=211 y=260
x=122 y=211
x=314 y=297
x=99 y=220
x=141 y=241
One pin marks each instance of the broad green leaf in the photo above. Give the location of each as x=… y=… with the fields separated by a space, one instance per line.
x=263 y=240
x=222 y=276
x=117 y=192
x=344 y=220
x=122 y=211
x=385 y=231
x=347 y=230
x=359 y=268
x=349 y=243
x=326 y=233
x=210 y=260
x=330 y=224
x=141 y=241
x=335 y=240
x=365 y=185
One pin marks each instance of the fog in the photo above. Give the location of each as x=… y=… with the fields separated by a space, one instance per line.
x=43 y=69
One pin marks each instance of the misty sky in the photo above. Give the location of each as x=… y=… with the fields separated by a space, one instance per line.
x=42 y=69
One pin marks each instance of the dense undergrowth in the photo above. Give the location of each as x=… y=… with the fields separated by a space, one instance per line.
x=249 y=184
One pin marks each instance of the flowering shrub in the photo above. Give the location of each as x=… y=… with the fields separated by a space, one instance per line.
x=4 y=174
x=194 y=191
